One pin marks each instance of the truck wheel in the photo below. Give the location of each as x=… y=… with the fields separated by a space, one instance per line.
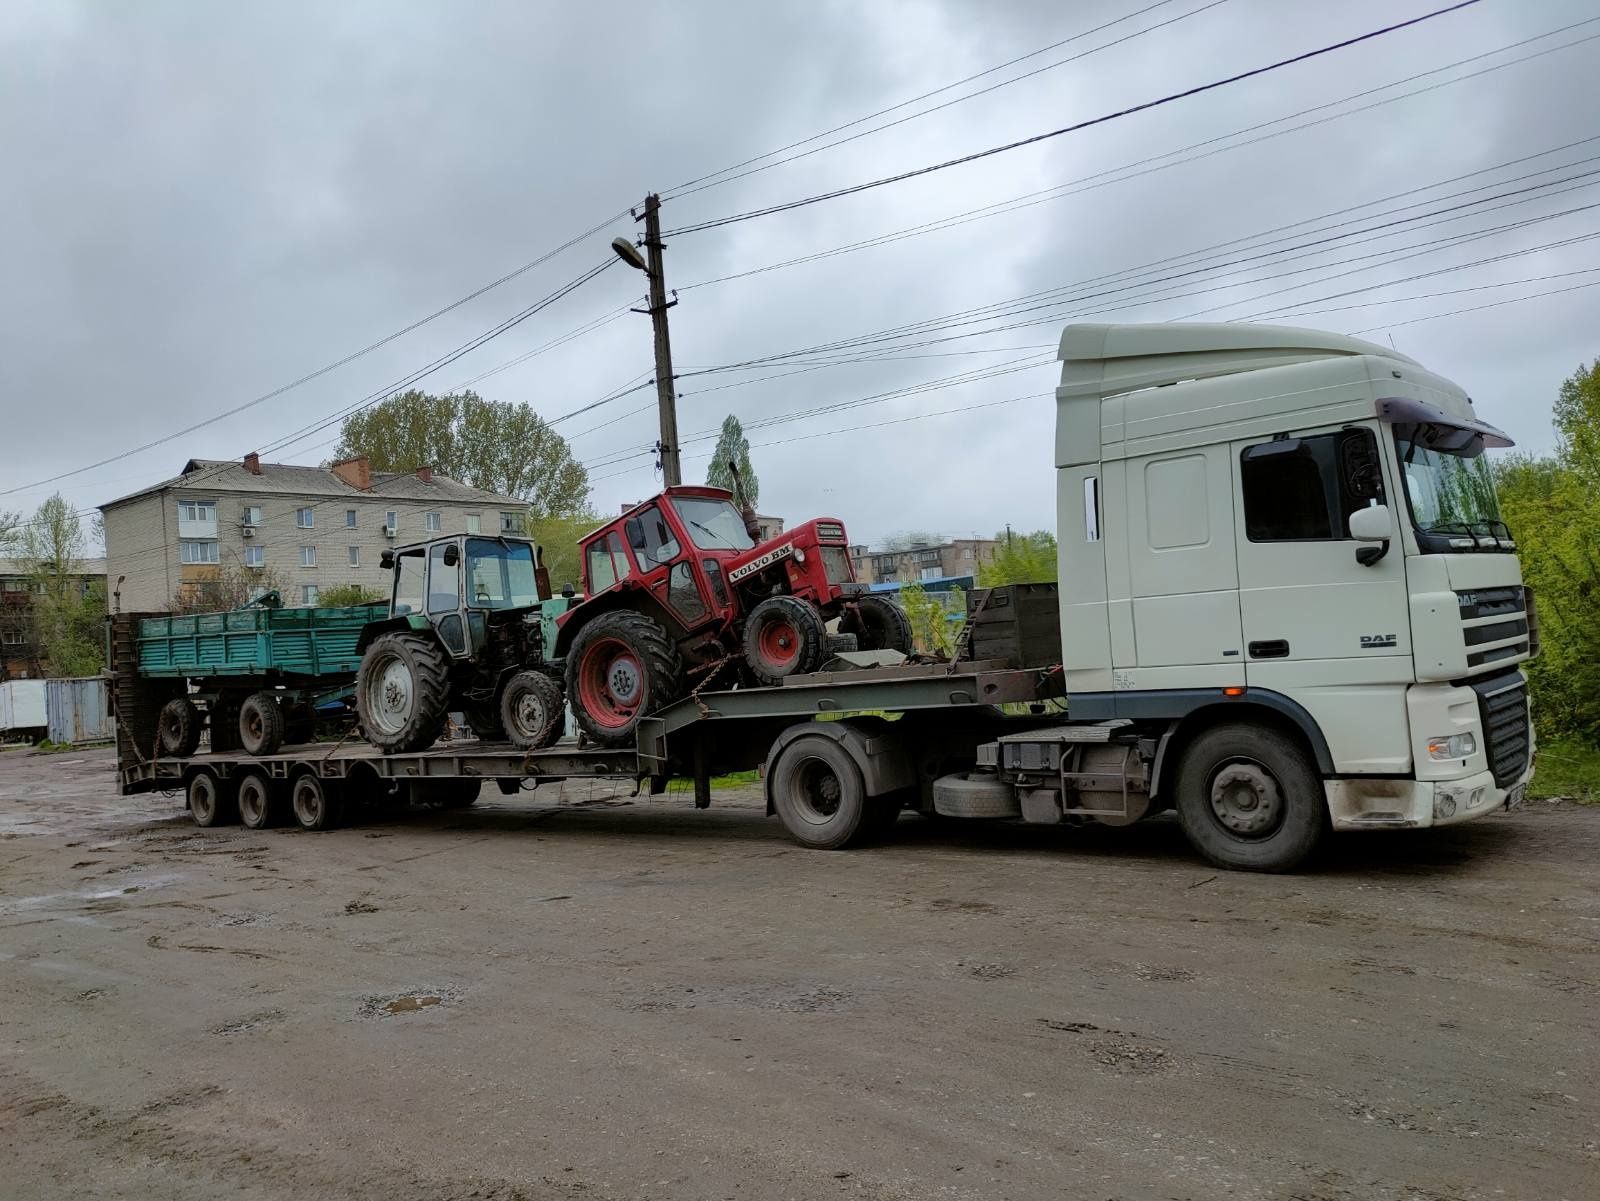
x=178 y=727
x=819 y=794
x=784 y=636
x=402 y=693
x=1248 y=797
x=260 y=724
x=533 y=710
x=209 y=800
x=975 y=795
x=257 y=805
x=316 y=802
x=879 y=624
x=622 y=667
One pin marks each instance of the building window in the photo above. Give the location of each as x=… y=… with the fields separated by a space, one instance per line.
x=252 y=515
x=308 y=556
x=255 y=556
x=431 y=521
x=927 y=556
x=474 y=523
x=355 y=556
x=349 y=519
x=308 y=594
x=391 y=521
x=966 y=552
x=510 y=523
x=305 y=519
x=197 y=552
x=13 y=637
x=197 y=510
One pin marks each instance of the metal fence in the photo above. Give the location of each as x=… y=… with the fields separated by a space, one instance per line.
x=78 y=710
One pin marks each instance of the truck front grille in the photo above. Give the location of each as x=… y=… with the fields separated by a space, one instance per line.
x=1494 y=615
x=1503 y=708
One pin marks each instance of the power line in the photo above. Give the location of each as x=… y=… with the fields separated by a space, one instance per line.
x=1296 y=311
x=1478 y=307
x=1145 y=106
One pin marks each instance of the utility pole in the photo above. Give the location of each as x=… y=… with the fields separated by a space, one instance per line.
x=666 y=398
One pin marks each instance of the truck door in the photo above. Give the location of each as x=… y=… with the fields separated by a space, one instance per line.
x=1320 y=627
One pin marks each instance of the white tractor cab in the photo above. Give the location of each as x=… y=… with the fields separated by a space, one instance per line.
x=1280 y=542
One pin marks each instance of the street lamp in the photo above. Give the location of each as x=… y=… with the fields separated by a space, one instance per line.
x=629 y=253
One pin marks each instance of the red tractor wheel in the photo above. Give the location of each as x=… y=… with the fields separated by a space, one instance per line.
x=784 y=636
x=622 y=667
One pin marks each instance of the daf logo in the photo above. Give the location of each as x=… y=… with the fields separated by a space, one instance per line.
x=1376 y=641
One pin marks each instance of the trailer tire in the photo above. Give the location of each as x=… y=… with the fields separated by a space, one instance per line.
x=261 y=724
x=1249 y=798
x=316 y=802
x=622 y=667
x=209 y=801
x=178 y=727
x=402 y=692
x=879 y=624
x=975 y=795
x=258 y=801
x=819 y=793
x=783 y=636
x=533 y=710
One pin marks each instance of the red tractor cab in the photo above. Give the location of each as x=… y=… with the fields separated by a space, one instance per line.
x=679 y=582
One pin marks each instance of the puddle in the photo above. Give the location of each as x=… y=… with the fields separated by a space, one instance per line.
x=414 y=1001
x=89 y=896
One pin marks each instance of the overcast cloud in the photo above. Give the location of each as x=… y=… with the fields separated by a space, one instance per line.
x=204 y=201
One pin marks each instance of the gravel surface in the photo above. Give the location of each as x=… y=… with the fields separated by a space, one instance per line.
x=591 y=996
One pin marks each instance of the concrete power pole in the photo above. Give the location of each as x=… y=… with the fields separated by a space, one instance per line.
x=666 y=397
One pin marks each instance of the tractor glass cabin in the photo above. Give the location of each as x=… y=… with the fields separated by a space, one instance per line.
x=457 y=582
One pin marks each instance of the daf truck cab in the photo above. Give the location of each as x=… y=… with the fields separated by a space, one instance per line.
x=1288 y=603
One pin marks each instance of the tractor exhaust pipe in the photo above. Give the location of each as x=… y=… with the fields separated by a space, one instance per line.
x=746 y=509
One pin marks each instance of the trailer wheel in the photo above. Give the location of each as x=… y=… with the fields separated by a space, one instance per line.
x=622 y=667
x=975 y=795
x=257 y=804
x=819 y=794
x=402 y=693
x=178 y=727
x=209 y=801
x=315 y=801
x=879 y=624
x=260 y=724
x=783 y=636
x=533 y=710
x=1248 y=797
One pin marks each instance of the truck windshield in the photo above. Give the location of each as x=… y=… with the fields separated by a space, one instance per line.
x=713 y=524
x=1450 y=494
x=500 y=574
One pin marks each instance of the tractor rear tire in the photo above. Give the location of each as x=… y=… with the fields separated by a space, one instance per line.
x=879 y=624
x=261 y=724
x=533 y=710
x=403 y=693
x=178 y=728
x=622 y=666
x=784 y=636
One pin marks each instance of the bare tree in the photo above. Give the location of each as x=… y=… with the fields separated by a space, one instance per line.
x=229 y=586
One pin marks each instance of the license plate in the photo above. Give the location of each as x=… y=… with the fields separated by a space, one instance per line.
x=1514 y=797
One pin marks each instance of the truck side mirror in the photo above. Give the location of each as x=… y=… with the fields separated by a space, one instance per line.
x=386 y=560
x=1373 y=525
x=452 y=555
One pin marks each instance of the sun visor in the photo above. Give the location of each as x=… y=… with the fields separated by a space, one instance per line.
x=1402 y=410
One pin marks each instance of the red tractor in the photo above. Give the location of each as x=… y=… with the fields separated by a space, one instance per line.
x=680 y=581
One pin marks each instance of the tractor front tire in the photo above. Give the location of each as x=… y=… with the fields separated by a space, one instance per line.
x=784 y=636
x=533 y=710
x=879 y=624
x=623 y=666
x=403 y=693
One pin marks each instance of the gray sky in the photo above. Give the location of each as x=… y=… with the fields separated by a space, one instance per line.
x=204 y=202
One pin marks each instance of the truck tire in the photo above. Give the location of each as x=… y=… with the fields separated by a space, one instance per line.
x=533 y=710
x=315 y=801
x=1249 y=797
x=622 y=667
x=879 y=624
x=210 y=800
x=975 y=796
x=818 y=792
x=258 y=802
x=402 y=693
x=784 y=636
x=260 y=724
x=178 y=727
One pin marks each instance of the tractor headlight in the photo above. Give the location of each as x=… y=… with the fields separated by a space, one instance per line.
x=1452 y=746
x=799 y=554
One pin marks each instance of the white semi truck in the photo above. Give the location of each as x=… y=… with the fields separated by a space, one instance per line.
x=1287 y=607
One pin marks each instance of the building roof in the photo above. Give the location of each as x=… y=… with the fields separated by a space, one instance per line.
x=292 y=479
x=86 y=567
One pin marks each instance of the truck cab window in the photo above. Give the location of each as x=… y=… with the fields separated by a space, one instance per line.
x=1304 y=489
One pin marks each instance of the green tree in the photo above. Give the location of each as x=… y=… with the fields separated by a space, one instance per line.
x=68 y=617
x=733 y=447
x=935 y=628
x=1020 y=559
x=496 y=445
x=557 y=536
x=1577 y=420
x=343 y=596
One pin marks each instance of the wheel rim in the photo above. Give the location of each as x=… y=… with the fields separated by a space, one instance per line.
x=818 y=792
x=252 y=802
x=1246 y=799
x=528 y=712
x=778 y=643
x=308 y=801
x=394 y=697
x=203 y=799
x=611 y=683
x=254 y=725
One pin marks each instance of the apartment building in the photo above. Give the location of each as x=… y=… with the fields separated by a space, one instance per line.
x=937 y=561
x=20 y=656
x=310 y=528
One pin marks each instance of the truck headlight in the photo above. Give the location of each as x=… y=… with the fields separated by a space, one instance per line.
x=1452 y=746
